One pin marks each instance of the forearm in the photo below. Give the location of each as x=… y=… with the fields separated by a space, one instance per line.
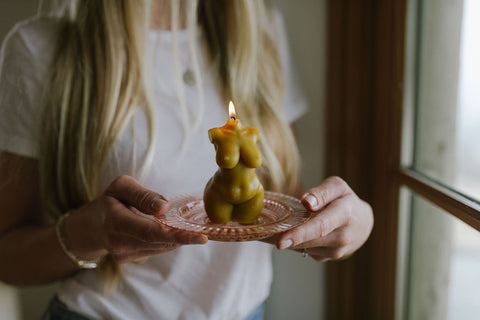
x=32 y=255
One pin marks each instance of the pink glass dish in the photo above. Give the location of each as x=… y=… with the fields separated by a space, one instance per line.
x=280 y=213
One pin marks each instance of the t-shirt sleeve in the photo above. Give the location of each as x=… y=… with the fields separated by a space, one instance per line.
x=24 y=62
x=295 y=103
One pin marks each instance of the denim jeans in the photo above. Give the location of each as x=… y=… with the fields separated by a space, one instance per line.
x=58 y=311
x=257 y=314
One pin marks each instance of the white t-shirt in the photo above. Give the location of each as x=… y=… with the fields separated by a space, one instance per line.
x=213 y=281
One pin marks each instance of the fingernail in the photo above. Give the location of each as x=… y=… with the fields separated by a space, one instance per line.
x=285 y=244
x=311 y=200
x=157 y=204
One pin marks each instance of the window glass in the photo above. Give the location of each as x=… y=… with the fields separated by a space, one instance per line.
x=447 y=142
x=443 y=274
x=468 y=121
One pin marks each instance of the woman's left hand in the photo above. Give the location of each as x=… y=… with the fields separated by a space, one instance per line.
x=341 y=223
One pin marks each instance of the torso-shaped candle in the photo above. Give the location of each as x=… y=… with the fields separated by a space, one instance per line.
x=234 y=193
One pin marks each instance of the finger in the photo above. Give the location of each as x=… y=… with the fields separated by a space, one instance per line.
x=148 y=228
x=339 y=238
x=271 y=240
x=141 y=255
x=140 y=260
x=130 y=192
x=335 y=215
x=332 y=188
x=322 y=254
x=123 y=243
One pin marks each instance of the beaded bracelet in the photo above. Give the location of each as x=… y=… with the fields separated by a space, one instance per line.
x=80 y=263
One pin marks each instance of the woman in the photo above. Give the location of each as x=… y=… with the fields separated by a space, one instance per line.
x=105 y=110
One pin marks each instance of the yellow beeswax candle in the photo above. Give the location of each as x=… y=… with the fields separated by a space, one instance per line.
x=234 y=193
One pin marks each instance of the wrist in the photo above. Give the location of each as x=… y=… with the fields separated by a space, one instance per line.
x=79 y=241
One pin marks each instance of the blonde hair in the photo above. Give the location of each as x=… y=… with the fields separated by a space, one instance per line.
x=100 y=80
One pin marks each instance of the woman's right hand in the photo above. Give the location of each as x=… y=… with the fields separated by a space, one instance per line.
x=110 y=225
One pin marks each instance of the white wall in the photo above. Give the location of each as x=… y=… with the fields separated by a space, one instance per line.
x=297 y=292
x=10 y=12
x=9 y=303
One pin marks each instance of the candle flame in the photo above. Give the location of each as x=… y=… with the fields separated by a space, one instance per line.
x=231 y=110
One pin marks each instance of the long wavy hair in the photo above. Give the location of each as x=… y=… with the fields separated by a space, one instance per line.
x=100 y=79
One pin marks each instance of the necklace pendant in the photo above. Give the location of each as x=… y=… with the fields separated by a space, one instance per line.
x=189 y=78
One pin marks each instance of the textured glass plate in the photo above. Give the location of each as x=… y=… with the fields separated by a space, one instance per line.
x=280 y=213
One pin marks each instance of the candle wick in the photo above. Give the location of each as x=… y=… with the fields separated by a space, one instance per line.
x=233 y=118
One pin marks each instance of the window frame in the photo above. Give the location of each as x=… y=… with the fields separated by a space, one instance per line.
x=365 y=75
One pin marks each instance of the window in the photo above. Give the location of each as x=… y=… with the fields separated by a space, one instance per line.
x=443 y=252
x=398 y=118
